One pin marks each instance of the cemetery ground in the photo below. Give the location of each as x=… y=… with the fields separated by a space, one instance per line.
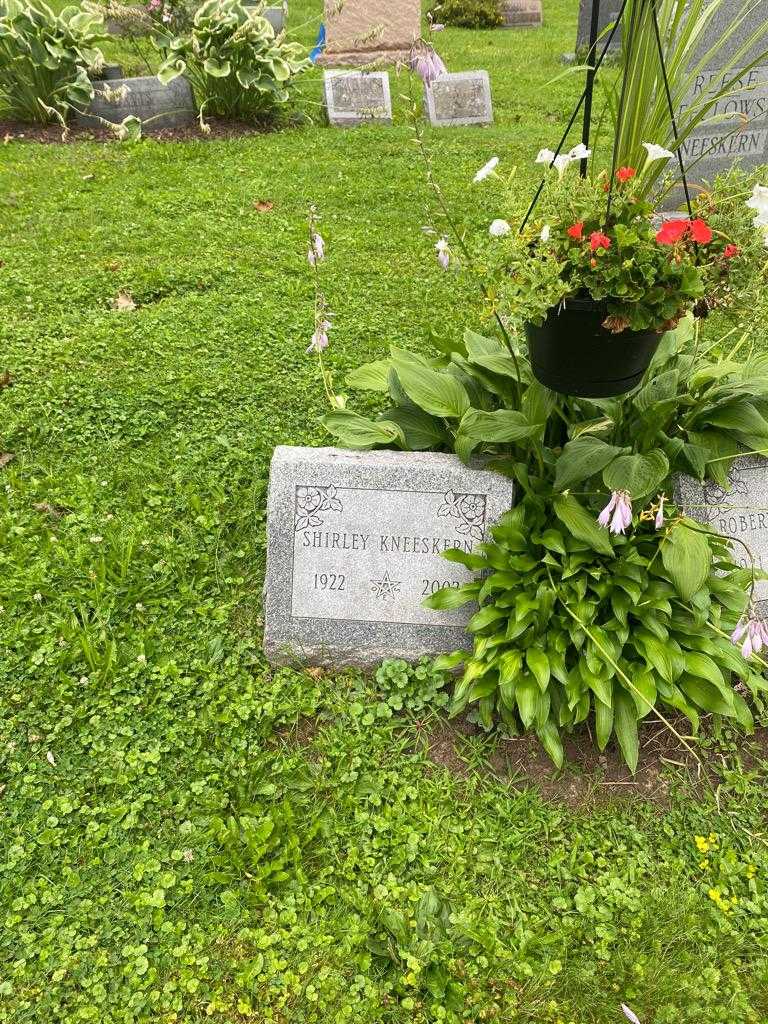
x=187 y=834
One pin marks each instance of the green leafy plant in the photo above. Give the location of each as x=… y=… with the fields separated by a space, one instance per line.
x=468 y=13
x=45 y=59
x=399 y=686
x=734 y=50
x=237 y=67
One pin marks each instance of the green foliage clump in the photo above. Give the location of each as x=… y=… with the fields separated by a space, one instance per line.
x=400 y=686
x=468 y=13
x=45 y=59
x=237 y=67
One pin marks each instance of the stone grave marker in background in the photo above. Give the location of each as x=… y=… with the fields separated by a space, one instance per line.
x=743 y=139
x=740 y=512
x=359 y=32
x=352 y=97
x=460 y=98
x=522 y=13
x=163 y=106
x=609 y=10
x=354 y=542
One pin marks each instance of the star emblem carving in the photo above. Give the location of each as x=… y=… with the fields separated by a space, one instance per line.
x=386 y=588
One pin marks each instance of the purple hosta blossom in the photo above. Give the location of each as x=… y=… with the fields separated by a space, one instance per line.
x=617 y=514
x=486 y=170
x=443 y=253
x=751 y=634
x=630 y=1014
x=316 y=252
x=319 y=341
x=427 y=63
x=659 y=521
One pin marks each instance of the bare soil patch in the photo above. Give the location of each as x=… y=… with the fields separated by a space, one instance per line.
x=15 y=131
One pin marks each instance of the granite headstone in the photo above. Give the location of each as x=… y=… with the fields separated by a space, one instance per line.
x=353 y=97
x=156 y=105
x=354 y=543
x=740 y=511
x=463 y=97
x=521 y=13
x=609 y=11
x=742 y=138
x=363 y=32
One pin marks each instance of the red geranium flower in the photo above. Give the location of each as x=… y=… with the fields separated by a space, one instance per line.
x=672 y=231
x=731 y=251
x=701 y=232
x=597 y=240
x=576 y=230
x=625 y=173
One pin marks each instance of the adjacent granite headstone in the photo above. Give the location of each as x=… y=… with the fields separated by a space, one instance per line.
x=521 y=13
x=155 y=104
x=354 y=543
x=740 y=511
x=362 y=32
x=742 y=138
x=609 y=12
x=274 y=15
x=460 y=98
x=352 y=97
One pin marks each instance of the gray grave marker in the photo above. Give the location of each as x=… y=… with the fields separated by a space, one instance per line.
x=609 y=11
x=353 y=97
x=742 y=139
x=163 y=106
x=522 y=13
x=740 y=512
x=354 y=547
x=460 y=98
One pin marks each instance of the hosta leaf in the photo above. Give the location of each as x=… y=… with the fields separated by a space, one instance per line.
x=640 y=475
x=625 y=724
x=355 y=431
x=581 y=524
x=603 y=722
x=549 y=737
x=581 y=459
x=439 y=394
x=421 y=431
x=371 y=376
x=527 y=695
x=687 y=557
x=452 y=597
x=538 y=663
x=707 y=696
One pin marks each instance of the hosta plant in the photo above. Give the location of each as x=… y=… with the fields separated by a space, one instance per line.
x=45 y=59
x=237 y=67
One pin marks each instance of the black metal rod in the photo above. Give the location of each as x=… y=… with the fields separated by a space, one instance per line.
x=572 y=121
x=672 y=117
x=594 y=27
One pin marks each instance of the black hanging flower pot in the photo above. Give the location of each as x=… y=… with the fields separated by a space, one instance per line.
x=573 y=354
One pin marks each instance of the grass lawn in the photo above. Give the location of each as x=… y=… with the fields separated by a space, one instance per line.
x=186 y=834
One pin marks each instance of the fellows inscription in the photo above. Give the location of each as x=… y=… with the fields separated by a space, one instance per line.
x=355 y=545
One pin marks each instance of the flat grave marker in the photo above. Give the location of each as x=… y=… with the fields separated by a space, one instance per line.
x=740 y=512
x=463 y=97
x=354 y=547
x=355 y=97
x=522 y=13
x=162 y=106
x=609 y=11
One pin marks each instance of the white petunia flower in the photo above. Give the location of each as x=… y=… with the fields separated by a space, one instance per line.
x=546 y=231
x=499 y=228
x=487 y=170
x=546 y=156
x=561 y=163
x=759 y=203
x=580 y=152
x=656 y=152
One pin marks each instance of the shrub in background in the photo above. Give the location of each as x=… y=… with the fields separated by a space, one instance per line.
x=236 y=66
x=468 y=13
x=45 y=59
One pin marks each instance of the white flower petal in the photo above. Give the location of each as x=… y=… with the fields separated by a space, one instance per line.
x=656 y=152
x=487 y=169
x=546 y=156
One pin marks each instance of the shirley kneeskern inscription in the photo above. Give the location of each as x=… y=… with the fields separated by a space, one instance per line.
x=355 y=546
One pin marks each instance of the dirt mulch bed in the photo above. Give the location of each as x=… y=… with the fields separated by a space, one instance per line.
x=589 y=777
x=14 y=131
